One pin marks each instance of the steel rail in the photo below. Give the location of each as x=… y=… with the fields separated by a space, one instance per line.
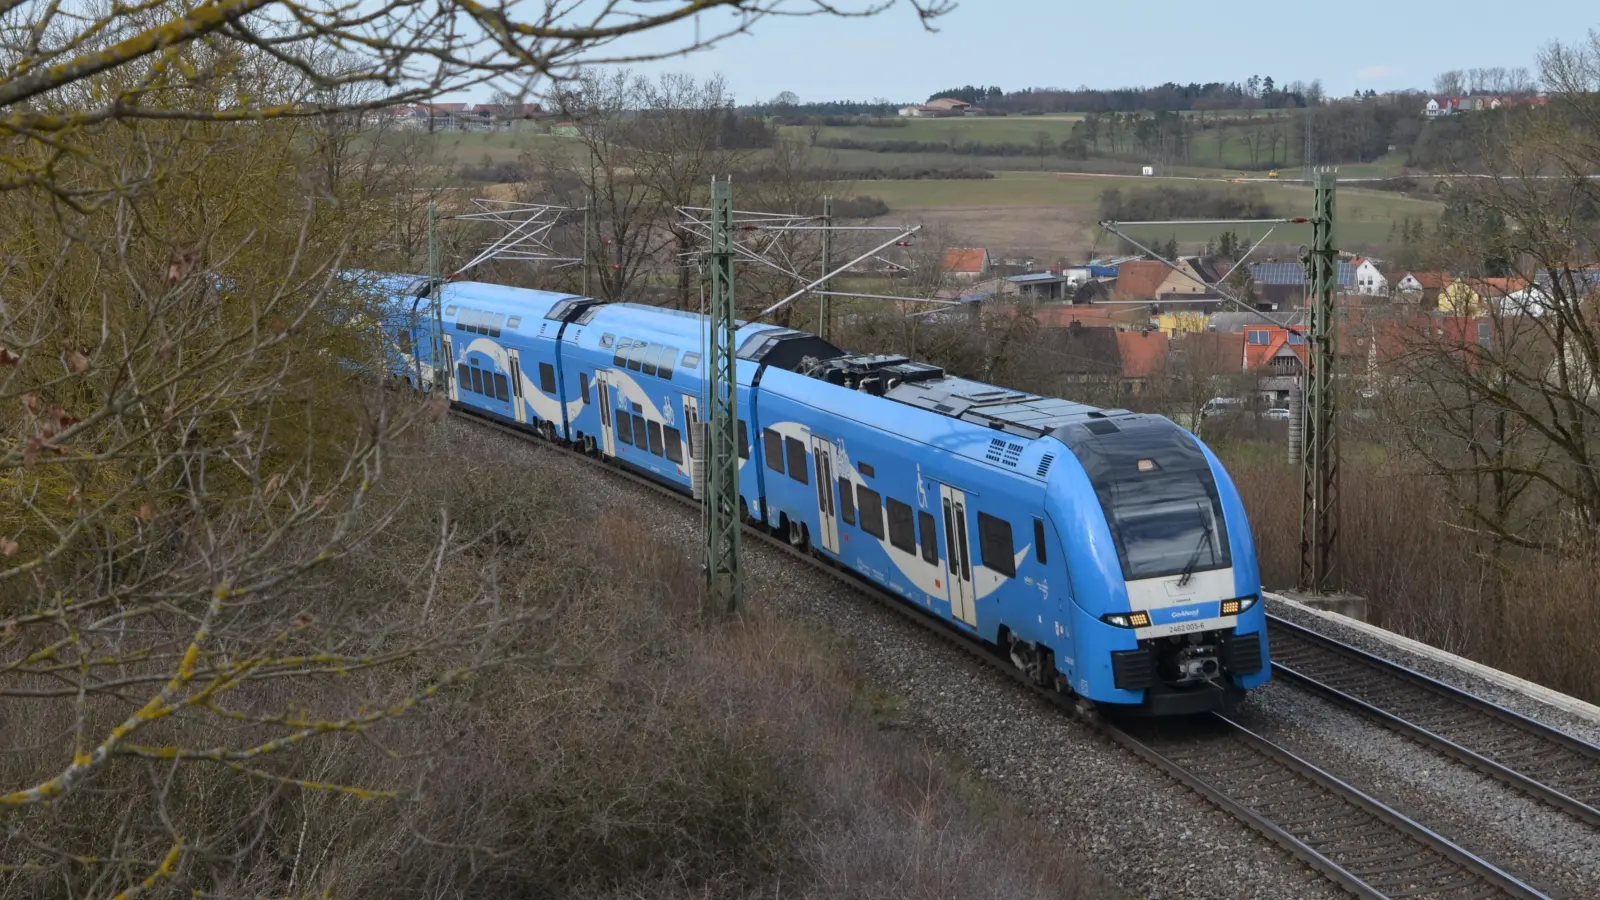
x=1566 y=758
x=1478 y=874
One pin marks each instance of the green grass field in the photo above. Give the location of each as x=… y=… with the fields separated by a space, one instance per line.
x=1364 y=216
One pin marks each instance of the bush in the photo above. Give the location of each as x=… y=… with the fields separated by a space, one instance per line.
x=635 y=748
x=1424 y=576
x=914 y=173
x=1145 y=204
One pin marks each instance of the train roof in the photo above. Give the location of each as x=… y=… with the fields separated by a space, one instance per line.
x=758 y=342
x=929 y=388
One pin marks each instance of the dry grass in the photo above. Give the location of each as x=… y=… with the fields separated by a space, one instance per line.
x=1525 y=613
x=635 y=749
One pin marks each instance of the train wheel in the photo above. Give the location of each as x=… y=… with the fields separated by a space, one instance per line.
x=797 y=535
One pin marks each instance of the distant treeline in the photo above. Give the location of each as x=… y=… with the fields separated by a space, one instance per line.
x=839 y=108
x=1254 y=93
x=913 y=173
x=959 y=148
x=1145 y=204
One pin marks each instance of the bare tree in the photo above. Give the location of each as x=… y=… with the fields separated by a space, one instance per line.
x=603 y=172
x=79 y=71
x=1505 y=402
x=681 y=140
x=198 y=436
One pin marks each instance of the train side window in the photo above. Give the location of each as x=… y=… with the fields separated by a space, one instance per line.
x=502 y=388
x=994 y=542
x=477 y=380
x=774 y=449
x=665 y=366
x=624 y=428
x=513 y=322
x=674 y=444
x=656 y=445
x=902 y=526
x=547 y=378
x=930 y=537
x=847 y=502
x=1038 y=539
x=865 y=469
x=583 y=386
x=619 y=356
x=871 y=507
x=606 y=340
x=463 y=377
x=651 y=356
x=744 y=441
x=641 y=433
x=636 y=354
x=691 y=361
x=494 y=324
x=797 y=460
x=461 y=320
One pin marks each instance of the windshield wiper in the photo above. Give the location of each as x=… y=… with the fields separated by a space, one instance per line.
x=1205 y=541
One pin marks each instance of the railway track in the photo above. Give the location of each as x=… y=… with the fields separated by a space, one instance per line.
x=1369 y=849
x=1549 y=765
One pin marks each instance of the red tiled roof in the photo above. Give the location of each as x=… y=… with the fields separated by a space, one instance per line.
x=1212 y=352
x=1258 y=355
x=1143 y=352
x=1433 y=281
x=963 y=259
x=1139 y=280
x=1496 y=287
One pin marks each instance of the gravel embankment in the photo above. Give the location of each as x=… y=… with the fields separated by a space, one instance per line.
x=1513 y=700
x=1138 y=828
x=1533 y=842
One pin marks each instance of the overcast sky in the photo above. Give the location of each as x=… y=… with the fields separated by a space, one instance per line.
x=1061 y=43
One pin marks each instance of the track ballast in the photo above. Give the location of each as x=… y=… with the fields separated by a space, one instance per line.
x=1367 y=848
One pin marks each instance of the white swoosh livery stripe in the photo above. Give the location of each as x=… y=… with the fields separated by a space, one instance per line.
x=928 y=579
x=544 y=406
x=624 y=384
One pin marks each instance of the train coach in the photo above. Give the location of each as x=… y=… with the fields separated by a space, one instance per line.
x=1106 y=553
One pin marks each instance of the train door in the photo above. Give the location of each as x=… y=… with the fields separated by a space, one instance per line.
x=514 y=360
x=697 y=452
x=608 y=429
x=958 y=564
x=450 y=368
x=827 y=504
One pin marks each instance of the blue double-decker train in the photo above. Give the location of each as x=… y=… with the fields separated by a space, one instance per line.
x=1105 y=552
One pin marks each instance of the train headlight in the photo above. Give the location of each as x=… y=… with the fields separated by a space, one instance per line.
x=1235 y=607
x=1127 y=620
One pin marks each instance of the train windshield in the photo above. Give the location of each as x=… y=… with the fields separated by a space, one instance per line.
x=1156 y=489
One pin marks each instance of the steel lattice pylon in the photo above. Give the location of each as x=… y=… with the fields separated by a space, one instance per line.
x=1319 y=507
x=725 y=584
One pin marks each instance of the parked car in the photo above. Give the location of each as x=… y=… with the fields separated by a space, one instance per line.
x=1277 y=413
x=1219 y=405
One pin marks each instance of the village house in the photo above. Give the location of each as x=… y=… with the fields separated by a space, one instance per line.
x=937 y=109
x=1369 y=281
x=967 y=263
x=1284 y=283
x=1449 y=106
